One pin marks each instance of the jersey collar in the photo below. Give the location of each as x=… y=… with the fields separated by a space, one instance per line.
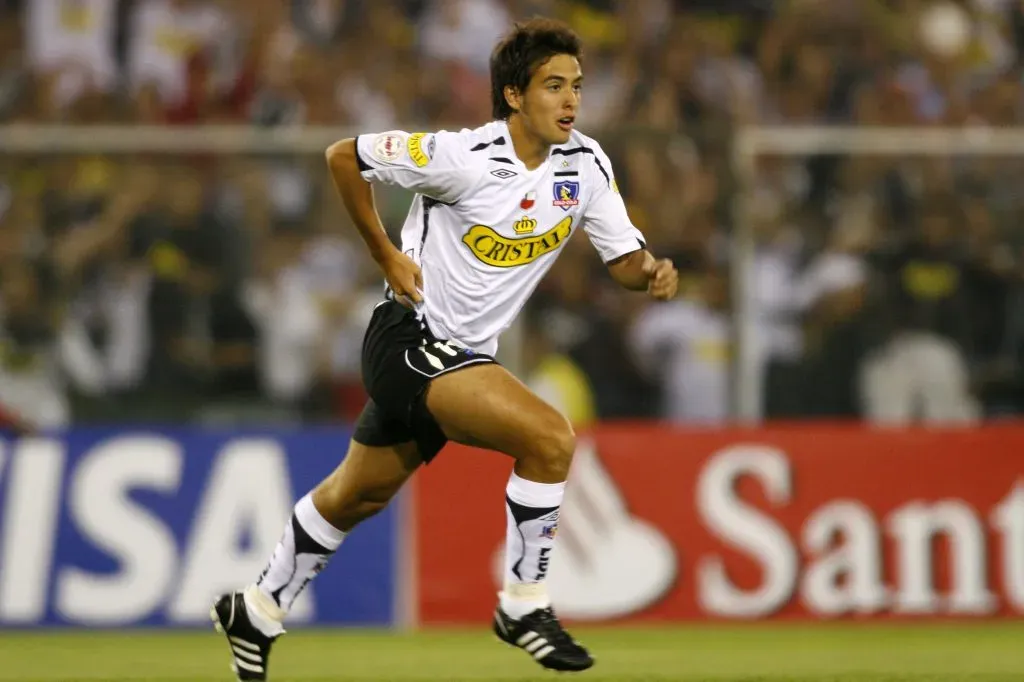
x=504 y=130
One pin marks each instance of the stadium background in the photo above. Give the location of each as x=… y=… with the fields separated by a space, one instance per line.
x=824 y=428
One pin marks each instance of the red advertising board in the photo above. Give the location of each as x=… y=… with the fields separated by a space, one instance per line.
x=797 y=522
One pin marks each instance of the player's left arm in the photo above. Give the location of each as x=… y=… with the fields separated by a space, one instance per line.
x=640 y=271
x=622 y=246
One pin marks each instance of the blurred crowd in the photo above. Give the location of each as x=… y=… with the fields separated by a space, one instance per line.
x=149 y=287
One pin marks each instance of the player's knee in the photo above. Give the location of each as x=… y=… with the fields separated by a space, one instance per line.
x=554 y=446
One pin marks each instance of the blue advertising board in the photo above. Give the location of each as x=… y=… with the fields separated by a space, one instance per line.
x=127 y=528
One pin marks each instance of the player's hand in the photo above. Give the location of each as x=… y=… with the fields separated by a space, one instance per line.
x=662 y=279
x=404 y=277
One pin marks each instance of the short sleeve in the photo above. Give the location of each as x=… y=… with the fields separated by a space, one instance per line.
x=605 y=219
x=433 y=164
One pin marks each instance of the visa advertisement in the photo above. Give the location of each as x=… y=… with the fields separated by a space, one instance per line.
x=116 y=528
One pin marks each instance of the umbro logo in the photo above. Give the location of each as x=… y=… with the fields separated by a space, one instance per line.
x=503 y=173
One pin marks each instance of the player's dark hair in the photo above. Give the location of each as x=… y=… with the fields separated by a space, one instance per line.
x=526 y=48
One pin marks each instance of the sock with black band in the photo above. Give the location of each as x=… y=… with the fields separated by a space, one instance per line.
x=531 y=512
x=306 y=546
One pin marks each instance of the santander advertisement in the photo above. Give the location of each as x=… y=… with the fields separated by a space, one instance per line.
x=806 y=522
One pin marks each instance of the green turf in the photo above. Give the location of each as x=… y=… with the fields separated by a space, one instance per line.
x=823 y=653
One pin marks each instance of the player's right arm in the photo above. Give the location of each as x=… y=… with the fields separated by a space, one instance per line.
x=431 y=164
x=402 y=273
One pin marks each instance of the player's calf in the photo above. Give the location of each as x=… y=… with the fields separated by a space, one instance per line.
x=361 y=486
x=486 y=405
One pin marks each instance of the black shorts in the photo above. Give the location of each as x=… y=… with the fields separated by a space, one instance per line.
x=400 y=357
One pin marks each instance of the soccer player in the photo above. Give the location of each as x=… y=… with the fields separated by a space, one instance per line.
x=493 y=208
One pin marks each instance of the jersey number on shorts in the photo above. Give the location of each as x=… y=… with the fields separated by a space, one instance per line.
x=440 y=357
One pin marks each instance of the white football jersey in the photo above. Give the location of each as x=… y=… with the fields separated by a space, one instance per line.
x=484 y=229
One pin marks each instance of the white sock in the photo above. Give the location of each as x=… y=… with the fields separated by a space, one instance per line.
x=306 y=546
x=264 y=612
x=531 y=511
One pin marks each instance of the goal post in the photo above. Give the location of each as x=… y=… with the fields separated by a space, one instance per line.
x=751 y=142
x=29 y=139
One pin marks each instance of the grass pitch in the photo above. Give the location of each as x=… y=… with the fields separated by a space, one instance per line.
x=983 y=652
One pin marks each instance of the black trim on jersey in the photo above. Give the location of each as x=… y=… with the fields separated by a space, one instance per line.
x=502 y=159
x=428 y=203
x=607 y=178
x=565 y=174
x=586 y=150
x=485 y=145
x=363 y=166
x=574 y=150
x=619 y=259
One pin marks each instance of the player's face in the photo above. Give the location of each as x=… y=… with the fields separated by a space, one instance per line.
x=553 y=98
